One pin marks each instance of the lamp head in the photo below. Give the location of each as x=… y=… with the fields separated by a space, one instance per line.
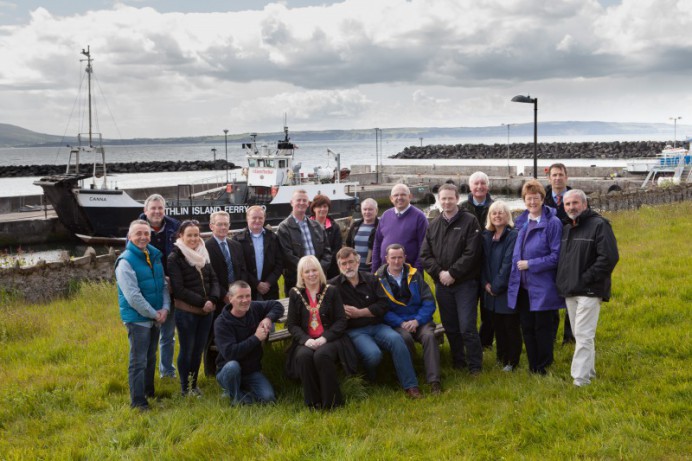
x=522 y=98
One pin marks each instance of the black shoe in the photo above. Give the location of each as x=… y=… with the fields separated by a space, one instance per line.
x=435 y=388
x=569 y=340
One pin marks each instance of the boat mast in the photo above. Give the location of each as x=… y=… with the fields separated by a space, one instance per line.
x=87 y=53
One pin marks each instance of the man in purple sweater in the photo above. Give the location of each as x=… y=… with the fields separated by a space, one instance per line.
x=404 y=224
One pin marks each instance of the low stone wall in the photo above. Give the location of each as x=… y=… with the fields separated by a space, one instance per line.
x=47 y=281
x=616 y=201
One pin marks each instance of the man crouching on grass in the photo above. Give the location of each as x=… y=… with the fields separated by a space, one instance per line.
x=239 y=332
x=144 y=305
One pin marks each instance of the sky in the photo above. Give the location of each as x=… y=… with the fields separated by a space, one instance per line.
x=172 y=68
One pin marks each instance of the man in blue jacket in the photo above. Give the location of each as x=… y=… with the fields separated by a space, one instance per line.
x=144 y=305
x=411 y=308
x=163 y=234
x=239 y=333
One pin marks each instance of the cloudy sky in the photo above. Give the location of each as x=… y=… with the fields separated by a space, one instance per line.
x=176 y=68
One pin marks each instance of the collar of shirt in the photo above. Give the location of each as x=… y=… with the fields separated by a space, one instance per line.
x=399 y=213
x=218 y=240
x=475 y=203
x=444 y=215
x=537 y=220
x=397 y=278
x=253 y=235
x=305 y=218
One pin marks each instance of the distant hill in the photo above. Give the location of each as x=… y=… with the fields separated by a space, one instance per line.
x=14 y=136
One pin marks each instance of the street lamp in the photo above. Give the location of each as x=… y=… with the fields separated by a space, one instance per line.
x=225 y=136
x=213 y=151
x=675 y=129
x=377 y=156
x=534 y=101
x=508 y=125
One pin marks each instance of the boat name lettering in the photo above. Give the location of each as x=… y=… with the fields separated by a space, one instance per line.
x=97 y=199
x=178 y=211
x=262 y=171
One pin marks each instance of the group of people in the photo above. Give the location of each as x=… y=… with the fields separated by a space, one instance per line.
x=350 y=300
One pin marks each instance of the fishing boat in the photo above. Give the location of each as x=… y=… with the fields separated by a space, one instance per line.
x=89 y=207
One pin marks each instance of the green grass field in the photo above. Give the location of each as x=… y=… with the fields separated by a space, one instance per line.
x=64 y=395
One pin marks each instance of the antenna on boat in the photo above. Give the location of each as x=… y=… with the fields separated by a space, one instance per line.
x=89 y=70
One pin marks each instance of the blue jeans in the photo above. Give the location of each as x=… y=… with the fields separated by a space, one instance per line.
x=458 y=314
x=140 y=372
x=167 y=345
x=368 y=341
x=193 y=331
x=245 y=389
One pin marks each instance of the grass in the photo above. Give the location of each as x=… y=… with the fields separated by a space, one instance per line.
x=64 y=395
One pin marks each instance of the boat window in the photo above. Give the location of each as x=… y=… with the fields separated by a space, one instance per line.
x=282 y=163
x=270 y=163
x=252 y=162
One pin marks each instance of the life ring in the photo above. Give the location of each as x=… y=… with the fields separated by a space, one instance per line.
x=275 y=190
x=229 y=188
x=244 y=171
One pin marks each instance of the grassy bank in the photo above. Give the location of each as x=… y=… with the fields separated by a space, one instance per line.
x=63 y=386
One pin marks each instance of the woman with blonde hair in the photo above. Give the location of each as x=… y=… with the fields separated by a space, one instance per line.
x=499 y=238
x=317 y=322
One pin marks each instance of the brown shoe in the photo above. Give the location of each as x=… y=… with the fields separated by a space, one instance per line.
x=413 y=393
x=436 y=388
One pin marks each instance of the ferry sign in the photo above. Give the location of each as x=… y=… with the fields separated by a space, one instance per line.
x=200 y=210
x=265 y=177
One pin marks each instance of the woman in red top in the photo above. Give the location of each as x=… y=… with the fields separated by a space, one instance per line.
x=317 y=322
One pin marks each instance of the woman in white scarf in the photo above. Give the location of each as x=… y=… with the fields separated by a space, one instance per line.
x=196 y=291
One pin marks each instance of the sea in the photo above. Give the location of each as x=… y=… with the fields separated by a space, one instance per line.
x=310 y=154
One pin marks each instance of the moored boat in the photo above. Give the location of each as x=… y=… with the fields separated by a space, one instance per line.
x=91 y=209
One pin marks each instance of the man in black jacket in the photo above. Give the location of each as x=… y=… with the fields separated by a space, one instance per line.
x=300 y=236
x=263 y=256
x=240 y=331
x=226 y=258
x=451 y=254
x=164 y=231
x=365 y=305
x=588 y=255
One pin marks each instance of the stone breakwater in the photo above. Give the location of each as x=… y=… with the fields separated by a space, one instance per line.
x=553 y=150
x=16 y=171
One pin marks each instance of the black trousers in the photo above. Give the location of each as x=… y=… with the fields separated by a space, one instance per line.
x=486 y=330
x=508 y=338
x=317 y=371
x=537 y=329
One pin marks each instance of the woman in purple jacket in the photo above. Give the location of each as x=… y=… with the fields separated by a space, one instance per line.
x=532 y=289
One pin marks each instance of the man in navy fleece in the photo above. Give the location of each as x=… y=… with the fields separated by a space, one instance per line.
x=239 y=331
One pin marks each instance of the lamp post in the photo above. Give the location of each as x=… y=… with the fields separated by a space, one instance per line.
x=377 y=156
x=675 y=129
x=213 y=152
x=225 y=140
x=508 y=125
x=534 y=101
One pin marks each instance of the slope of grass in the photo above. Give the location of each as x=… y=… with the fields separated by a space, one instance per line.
x=64 y=395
